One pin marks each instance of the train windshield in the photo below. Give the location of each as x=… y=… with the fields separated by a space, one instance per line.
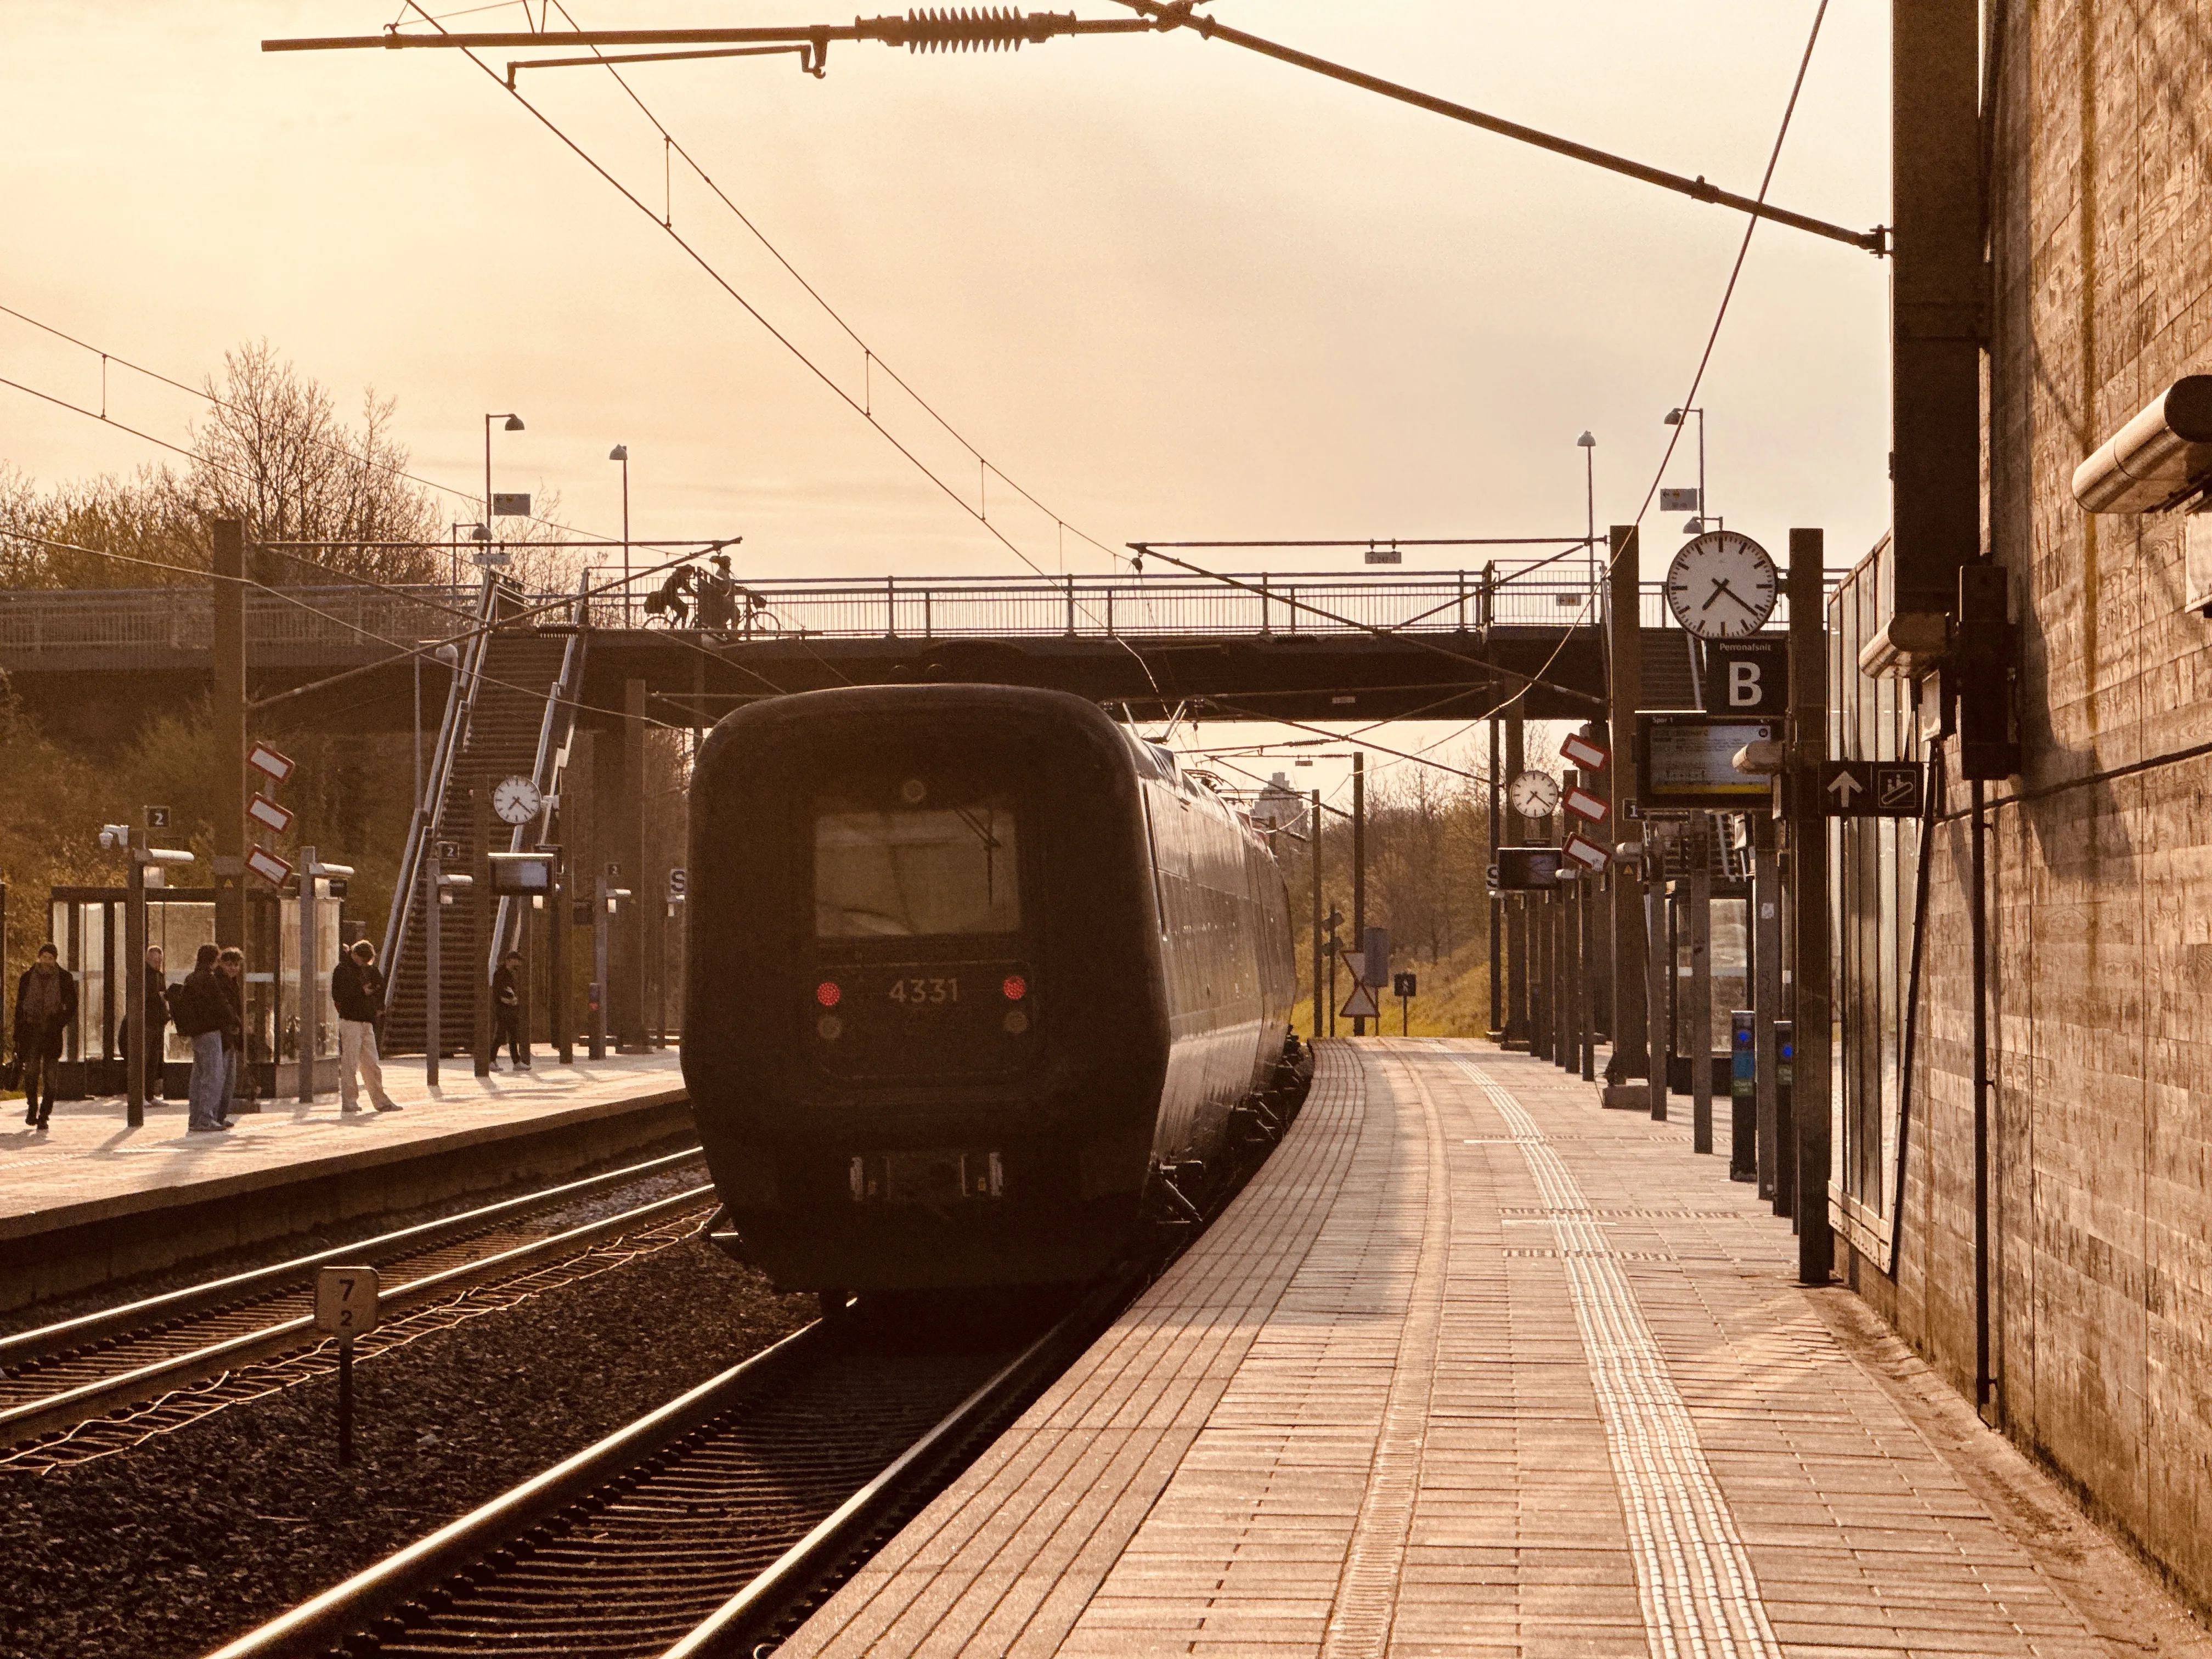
x=914 y=873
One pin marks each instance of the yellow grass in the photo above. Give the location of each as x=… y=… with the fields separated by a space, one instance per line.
x=1454 y=998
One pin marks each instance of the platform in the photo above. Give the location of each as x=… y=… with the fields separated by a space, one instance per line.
x=92 y=1199
x=1474 y=1367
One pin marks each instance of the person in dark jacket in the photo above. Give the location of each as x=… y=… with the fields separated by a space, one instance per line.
x=230 y=980
x=506 y=1009
x=358 y=989
x=45 y=1007
x=198 y=1007
x=156 y=993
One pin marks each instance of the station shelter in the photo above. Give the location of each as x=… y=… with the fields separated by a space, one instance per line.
x=88 y=929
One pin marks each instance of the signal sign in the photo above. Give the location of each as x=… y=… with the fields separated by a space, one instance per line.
x=1584 y=753
x=1360 y=1004
x=275 y=762
x=267 y=866
x=1583 y=804
x=1590 y=854
x=264 y=811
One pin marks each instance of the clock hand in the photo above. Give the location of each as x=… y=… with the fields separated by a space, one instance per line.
x=1748 y=610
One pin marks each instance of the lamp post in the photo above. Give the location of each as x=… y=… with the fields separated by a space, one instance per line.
x=621 y=453
x=510 y=423
x=1674 y=417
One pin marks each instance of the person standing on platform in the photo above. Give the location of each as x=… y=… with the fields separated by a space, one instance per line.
x=45 y=1007
x=358 y=989
x=198 y=1007
x=157 y=1024
x=230 y=979
x=507 y=1007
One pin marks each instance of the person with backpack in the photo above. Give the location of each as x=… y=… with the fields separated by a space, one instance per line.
x=45 y=1007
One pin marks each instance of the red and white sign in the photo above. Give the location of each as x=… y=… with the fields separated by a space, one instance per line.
x=276 y=763
x=267 y=866
x=264 y=811
x=1583 y=804
x=1584 y=753
x=1594 y=855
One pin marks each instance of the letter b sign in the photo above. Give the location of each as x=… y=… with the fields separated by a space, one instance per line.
x=1746 y=677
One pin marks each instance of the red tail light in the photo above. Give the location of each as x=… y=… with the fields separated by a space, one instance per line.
x=827 y=993
x=1016 y=987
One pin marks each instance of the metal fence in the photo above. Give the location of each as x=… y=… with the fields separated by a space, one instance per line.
x=153 y=621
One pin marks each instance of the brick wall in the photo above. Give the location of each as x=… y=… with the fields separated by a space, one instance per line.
x=2101 y=857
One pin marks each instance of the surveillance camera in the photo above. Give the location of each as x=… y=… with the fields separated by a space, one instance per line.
x=2158 y=459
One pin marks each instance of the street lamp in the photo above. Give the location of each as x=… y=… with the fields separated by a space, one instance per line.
x=511 y=424
x=621 y=453
x=1674 y=417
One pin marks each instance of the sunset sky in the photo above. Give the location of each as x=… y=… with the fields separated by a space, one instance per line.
x=1171 y=289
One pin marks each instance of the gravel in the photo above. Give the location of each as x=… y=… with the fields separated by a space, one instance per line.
x=184 y=1542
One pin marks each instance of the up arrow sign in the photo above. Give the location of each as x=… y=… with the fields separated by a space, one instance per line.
x=1842 y=783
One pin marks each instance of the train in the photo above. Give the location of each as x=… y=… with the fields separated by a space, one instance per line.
x=983 y=988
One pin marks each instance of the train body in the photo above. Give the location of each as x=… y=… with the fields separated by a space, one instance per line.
x=977 y=980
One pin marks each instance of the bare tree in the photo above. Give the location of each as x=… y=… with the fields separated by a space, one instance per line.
x=272 y=453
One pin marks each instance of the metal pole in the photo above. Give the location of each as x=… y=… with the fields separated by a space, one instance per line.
x=433 y=907
x=1766 y=988
x=228 y=574
x=418 y=734
x=482 y=942
x=1700 y=1021
x=1315 y=848
x=1360 y=869
x=599 y=1049
x=627 y=619
x=134 y=983
x=1658 y=972
x=1811 y=1006
x=1517 y=918
x=1589 y=895
x=310 y=954
x=345 y=1400
x=559 y=901
x=1984 y=1380
x=1497 y=904
x=1634 y=1016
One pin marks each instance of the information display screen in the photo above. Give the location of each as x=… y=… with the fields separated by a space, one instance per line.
x=1686 y=760
x=1525 y=869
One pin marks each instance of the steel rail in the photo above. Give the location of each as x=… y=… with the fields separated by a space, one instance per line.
x=49 y=1342
x=25 y=1423
x=375 y=1604
x=834 y=1538
x=326 y=1620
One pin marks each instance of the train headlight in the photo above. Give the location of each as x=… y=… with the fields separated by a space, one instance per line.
x=827 y=993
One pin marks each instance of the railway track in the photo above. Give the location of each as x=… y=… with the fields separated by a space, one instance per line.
x=91 y=1386
x=714 y=1524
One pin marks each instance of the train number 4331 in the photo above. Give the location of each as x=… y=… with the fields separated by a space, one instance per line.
x=911 y=991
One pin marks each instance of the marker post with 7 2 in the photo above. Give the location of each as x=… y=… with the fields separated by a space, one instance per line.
x=346 y=1307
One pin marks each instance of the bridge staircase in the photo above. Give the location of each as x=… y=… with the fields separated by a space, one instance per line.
x=510 y=713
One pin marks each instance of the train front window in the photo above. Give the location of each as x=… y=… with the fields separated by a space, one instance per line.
x=916 y=873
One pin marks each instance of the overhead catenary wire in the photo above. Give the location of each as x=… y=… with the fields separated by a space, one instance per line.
x=209 y=396
x=858 y=406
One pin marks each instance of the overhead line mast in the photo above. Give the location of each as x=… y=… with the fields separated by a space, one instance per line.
x=995 y=28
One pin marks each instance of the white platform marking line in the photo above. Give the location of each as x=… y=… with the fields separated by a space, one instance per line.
x=1694 y=1577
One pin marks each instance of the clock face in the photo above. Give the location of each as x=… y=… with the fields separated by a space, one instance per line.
x=517 y=800
x=1534 y=794
x=1721 y=586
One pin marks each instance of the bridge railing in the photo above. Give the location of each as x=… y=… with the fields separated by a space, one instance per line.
x=146 y=624
x=1153 y=606
x=149 y=621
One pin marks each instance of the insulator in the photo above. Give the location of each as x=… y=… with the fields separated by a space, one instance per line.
x=987 y=29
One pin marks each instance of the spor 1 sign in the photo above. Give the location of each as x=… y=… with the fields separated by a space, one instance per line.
x=1747 y=677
